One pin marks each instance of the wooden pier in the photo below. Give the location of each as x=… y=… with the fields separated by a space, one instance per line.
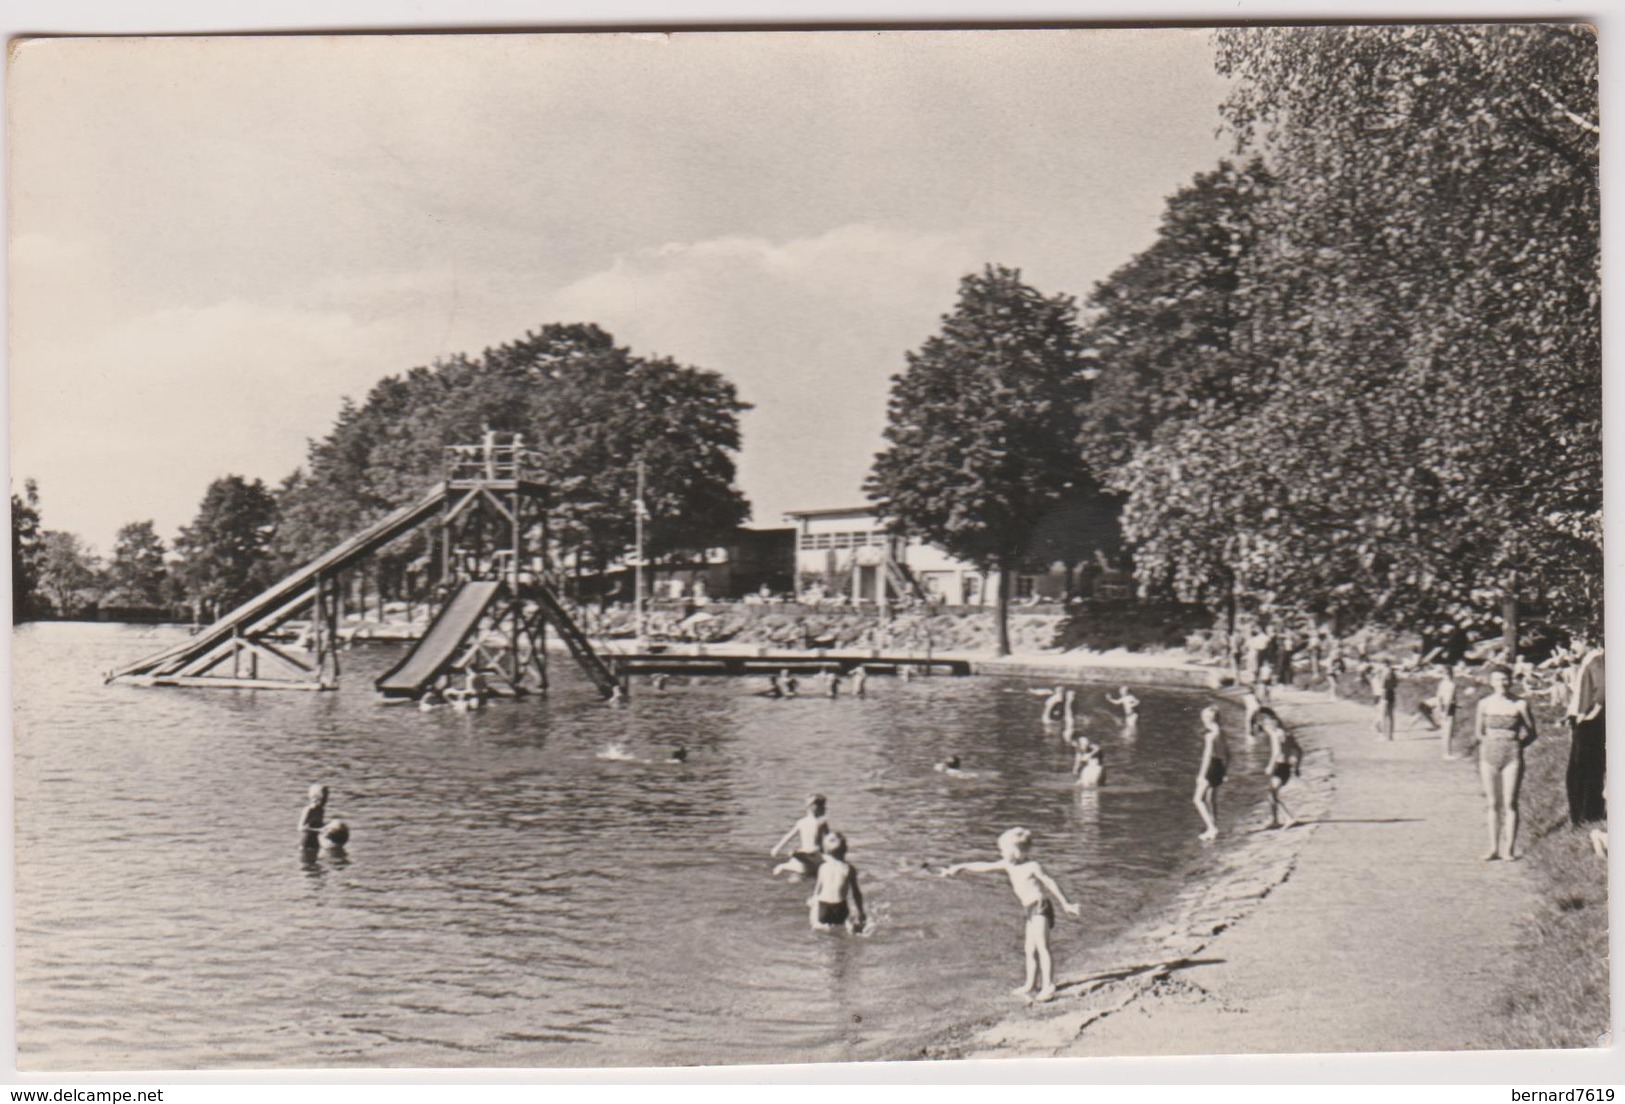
x=723 y=660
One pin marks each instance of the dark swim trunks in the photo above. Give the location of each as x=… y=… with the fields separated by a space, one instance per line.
x=1215 y=772
x=1042 y=907
x=809 y=860
x=832 y=915
x=1283 y=771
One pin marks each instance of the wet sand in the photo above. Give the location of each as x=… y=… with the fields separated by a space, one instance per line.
x=1375 y=927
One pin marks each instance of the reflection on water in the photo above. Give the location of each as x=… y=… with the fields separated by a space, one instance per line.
x=509 y=897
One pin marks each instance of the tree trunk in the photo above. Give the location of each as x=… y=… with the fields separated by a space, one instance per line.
x=1001 y=611
x=1509 y=627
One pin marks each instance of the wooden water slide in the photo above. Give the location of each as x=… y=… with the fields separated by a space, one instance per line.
x=189 y=661
x=441 y=642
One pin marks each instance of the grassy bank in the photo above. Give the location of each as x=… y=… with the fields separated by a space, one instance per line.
x=1556 y=992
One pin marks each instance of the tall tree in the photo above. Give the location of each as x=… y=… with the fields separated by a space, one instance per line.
x=68 y=572
x=982 y=427
x=26 y=552
x=1420 y=430
x=224 y=553
x=137 y=575
x=1171 y=329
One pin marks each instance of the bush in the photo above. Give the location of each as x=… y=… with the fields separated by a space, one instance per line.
x=1102 y=626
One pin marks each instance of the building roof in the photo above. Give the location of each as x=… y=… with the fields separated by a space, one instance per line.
x=834 y=511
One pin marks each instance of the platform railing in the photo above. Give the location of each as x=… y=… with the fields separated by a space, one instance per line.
x=491 y=463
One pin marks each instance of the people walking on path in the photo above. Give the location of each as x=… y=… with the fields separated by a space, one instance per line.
x=1033 y=889
x=1210 y=775
x=1588 y=751
x=1442 y=710
x=1504 y=728
x=1384 y=691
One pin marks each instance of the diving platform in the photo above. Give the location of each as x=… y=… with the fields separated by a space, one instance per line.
x=487 y=528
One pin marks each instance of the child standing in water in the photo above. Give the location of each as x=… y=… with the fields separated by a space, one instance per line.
x=1286 y=759
x=314 y=830
x=1251 y=708
x=1210 y=775
x=1088 y=762
x=1033 y=889
x=837 y=881
x=1129 y=704
x=811 y=828
x=312 y=819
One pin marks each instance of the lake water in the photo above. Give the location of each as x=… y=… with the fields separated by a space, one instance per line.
x=509 y=898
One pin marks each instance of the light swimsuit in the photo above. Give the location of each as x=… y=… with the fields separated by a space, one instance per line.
x=1502 y=743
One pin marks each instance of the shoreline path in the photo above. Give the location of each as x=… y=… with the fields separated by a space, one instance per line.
x=1376 y=928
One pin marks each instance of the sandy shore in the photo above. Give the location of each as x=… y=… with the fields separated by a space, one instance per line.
x=1375 y=927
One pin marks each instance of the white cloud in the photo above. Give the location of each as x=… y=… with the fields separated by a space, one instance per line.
x=811 y=329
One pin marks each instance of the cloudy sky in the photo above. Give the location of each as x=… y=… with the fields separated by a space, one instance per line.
x=214 y=241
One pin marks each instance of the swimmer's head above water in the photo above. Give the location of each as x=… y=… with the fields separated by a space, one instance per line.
x=835 y=845
x=816 y=802
x=318 y=794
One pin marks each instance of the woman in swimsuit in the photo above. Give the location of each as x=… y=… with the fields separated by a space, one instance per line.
x=1210 y=776
x=1505 y=727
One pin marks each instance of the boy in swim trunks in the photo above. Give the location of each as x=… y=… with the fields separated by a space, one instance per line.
x=1286 y=759
x=837 y=882
x=1033 y=889
x=1127 y=702
x=1210 y=775
x=811 y=828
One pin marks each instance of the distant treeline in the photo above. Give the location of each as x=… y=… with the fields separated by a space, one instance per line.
x=589 y=409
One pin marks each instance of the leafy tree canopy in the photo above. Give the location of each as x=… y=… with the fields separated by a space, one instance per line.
x=589 y=407
x=1419 y=427
x=137 y=575
x=225 y=552
x=982 y=426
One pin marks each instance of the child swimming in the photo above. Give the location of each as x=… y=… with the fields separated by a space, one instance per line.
x=811 y=829
x=837 y=882
x=1033 y=889
x=1210 y=775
